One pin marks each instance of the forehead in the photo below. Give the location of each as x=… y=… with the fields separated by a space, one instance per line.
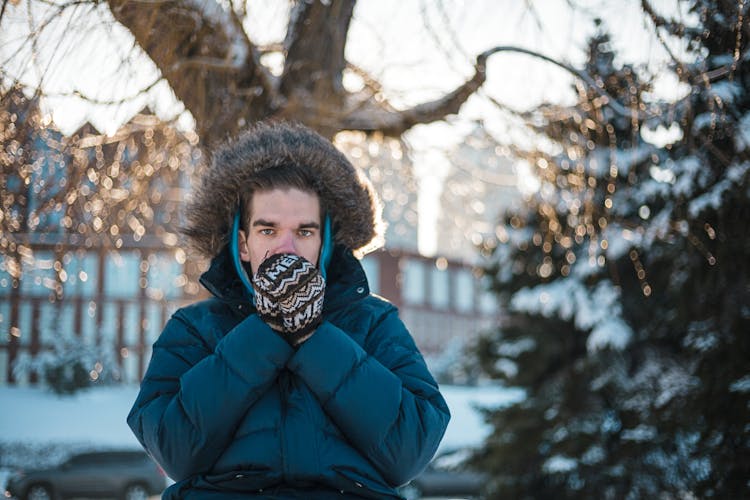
x=281 y=203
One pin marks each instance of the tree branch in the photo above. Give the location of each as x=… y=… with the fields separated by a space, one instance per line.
x=371 y=118
x=374 y=117
x=671 y=27
x=2 y=10
x=109 y=102
x=582 y=75
x=315 y=45
x=205 y=56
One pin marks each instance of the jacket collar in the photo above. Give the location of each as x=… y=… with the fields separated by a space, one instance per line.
x=346 y=279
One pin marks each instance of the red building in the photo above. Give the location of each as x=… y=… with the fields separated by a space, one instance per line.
x=90 y=251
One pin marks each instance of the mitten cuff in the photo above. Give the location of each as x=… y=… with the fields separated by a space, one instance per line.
x=296 y=338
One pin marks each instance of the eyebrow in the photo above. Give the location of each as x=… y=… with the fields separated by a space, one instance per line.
x=267 y=223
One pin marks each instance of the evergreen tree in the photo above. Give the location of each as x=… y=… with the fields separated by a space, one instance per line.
x=627 y=281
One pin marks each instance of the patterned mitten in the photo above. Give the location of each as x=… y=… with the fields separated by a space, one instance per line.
x=289 y=294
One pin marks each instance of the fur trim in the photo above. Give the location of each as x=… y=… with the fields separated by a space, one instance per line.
x=352 y=204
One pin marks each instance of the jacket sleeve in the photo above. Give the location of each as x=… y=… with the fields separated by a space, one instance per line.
x=382 y=397
x=192 y=398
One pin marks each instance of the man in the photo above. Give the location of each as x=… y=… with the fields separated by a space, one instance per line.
x=293 y=381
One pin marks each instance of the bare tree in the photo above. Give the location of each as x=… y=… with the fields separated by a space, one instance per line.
x=214 y=68
x=203 y=51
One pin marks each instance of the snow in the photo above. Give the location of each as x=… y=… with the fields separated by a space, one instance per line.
x=660 y=226
x=507 y=367
x=627 y=159
x=215 y=13
x=657 y=382
x=701 y=336
x=741 y=385
x=39 y=428
x=689 y=176
x=703 y=121
x=38 y=416
x=742 y=138
x=640 y=433
x=725 y=92
x=598 y=310
x=611 y=332
x=517 y=347
x=649 y=190
x=593 y=455
x=467 y=427
x=559 y=463
x=620 y=240
x=713 y=197
x=36 y=419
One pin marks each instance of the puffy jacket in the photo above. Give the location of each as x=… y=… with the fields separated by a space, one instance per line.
x=230 y=410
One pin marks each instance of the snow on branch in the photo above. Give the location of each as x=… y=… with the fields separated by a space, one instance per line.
x=211 y=11
x=733 y=178
x=598 y=309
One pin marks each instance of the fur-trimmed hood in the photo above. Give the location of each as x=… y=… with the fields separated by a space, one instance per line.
x=352 y=204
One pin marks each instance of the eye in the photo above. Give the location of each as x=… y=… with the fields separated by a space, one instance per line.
x=266 y=231
x=305 y=233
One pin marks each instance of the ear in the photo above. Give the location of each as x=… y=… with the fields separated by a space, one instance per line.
x=244 y=249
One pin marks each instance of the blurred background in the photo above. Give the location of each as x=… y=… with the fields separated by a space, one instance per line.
x=565 y=184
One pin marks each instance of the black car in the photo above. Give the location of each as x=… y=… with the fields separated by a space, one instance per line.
x=447 y=475
x=127 y=475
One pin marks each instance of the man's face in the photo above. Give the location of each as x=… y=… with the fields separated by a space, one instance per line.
x=282 y=221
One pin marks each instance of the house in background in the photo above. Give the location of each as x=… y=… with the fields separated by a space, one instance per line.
x=391 y=174
x=443 y=303
x=88 y=243
x=481 y=185
x=94 y=252
x=443 y=300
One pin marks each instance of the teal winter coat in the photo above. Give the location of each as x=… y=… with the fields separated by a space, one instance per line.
x=230 y=410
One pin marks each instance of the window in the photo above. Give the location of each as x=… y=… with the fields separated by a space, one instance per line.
x=440 y=296
x=122 y=274
x=86 y=459
x=4 y=360
x=464 y=291
x=83 y=273
x=413 y=285
x=154 y=322
x=48 y=322
x=47 y=181
x=39 y=277
x=66 y=317
x=108 y=330
x=89 y=330
x=165 y=278
x=5 y=321
x=25 y=322
x=6 y=281
x=487 y=301
x=131 y=324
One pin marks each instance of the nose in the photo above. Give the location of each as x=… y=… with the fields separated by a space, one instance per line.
x=286 y=244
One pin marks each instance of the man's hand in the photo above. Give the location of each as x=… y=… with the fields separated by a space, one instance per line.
x=289 y=294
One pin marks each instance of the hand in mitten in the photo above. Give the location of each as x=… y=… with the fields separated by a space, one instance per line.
x=289 y=293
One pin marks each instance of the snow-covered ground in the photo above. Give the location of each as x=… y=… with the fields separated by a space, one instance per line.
x=38 y=416
x=35 y=422
x=467 y=426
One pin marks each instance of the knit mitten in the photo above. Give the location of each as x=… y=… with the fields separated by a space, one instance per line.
x=289 y=293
